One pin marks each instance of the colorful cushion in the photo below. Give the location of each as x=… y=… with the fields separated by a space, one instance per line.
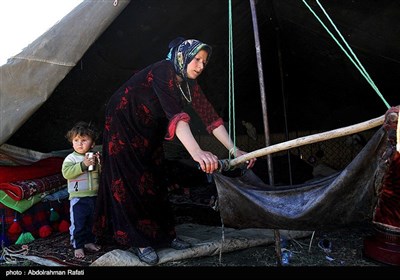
x=33 y=218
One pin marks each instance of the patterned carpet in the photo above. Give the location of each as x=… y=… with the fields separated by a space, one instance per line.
x=55 y=248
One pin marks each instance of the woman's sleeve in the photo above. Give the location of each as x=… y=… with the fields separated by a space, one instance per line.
x=205 y=110
x=163 y=83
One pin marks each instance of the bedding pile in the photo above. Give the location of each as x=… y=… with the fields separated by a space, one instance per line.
x=33 y=195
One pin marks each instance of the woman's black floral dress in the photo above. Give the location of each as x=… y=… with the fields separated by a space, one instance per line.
x=132 y=205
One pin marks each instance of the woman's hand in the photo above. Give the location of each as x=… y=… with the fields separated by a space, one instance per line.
x=250 y=163
x=208 y=161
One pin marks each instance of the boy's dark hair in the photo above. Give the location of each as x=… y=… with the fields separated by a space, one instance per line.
x=82 y=128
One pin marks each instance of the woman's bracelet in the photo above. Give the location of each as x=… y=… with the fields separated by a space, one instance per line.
x=233 y=150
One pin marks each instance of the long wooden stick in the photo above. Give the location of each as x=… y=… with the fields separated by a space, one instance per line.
x=309 y=140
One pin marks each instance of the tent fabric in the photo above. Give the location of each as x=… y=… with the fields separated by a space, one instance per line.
x=15 y=156
x=29 y=78
x=140 y=34
x=344 y=198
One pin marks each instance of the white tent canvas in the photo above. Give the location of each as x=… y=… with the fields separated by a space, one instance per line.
x=29 y=78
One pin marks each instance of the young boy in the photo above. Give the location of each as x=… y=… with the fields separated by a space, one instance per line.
x=82 y=173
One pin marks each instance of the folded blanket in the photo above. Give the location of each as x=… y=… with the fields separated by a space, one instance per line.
x=39 y=169
x=24 y=204
x=25 y=189
x=19 y=205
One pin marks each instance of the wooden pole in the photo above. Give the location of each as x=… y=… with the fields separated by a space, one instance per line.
x=309 y=140
x=265 y=116
x=262 y=89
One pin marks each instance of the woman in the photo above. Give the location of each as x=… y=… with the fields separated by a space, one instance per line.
x=133 y=207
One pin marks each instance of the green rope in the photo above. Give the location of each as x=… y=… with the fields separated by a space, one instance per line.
x=357 y=64
x=231 y=94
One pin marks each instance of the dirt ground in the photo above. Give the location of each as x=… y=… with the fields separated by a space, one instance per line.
x=308 y=259
x=346 y=250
